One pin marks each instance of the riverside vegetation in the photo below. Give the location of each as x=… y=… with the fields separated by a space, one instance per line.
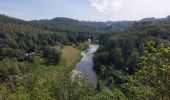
x=37 y=59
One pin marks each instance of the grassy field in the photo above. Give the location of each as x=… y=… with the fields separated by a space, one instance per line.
x=70 y=54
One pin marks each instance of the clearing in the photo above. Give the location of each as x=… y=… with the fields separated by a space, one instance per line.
x=71 y=55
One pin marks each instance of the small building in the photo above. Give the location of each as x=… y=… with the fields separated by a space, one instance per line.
x=89 y=40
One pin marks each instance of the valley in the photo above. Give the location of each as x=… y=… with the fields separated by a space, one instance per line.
x=119 y=60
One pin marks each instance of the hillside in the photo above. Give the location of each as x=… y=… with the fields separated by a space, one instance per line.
x=24 y=37
x=65 y=24
x=132 y=62
x=37 y=59
x=59 y=24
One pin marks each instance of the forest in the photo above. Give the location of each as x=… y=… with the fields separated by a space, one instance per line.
x=36 y=59
x=136 y=62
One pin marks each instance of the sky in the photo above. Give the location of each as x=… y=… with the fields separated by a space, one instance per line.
x=88 y=10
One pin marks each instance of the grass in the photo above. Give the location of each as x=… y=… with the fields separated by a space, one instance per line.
x=71 y=55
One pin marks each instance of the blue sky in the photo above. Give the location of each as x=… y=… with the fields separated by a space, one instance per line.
x=94 y=10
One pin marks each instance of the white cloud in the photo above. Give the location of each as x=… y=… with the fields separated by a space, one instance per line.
x=107 y=6
x=132 y=9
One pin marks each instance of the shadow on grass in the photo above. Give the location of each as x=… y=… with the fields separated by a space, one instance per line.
x=49 y=61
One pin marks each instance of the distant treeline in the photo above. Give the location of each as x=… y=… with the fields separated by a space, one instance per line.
x=19 y=37
x=131 y=63
x=21 y=41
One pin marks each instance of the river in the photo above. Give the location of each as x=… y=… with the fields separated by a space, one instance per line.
x=85 y=66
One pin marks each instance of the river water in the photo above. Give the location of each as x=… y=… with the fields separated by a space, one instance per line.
x=85 y=66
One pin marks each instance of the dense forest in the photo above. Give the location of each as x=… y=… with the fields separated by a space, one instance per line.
x=136 y=62
x=131 y=63
x=31 y=66
x=20 y=37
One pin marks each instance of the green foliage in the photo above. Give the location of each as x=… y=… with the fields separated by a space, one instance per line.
x=152 y=80
x=115 y=61
x=82 y=46
x=122 y=51
x=114 y=94
x=48 y=84
x=65 y=87
x=156 y=69
x=119 y=58
x=9 y=67
x=19 y=37
x=53 y=53
x=135 y=90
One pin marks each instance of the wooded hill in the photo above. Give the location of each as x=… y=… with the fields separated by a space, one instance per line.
x=132 y=61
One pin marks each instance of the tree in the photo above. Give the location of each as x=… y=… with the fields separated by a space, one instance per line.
x=9 y=67
x=113 y=94
x=53 y=53
x=132 y=62
x=152 y=80
x=117 y=58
